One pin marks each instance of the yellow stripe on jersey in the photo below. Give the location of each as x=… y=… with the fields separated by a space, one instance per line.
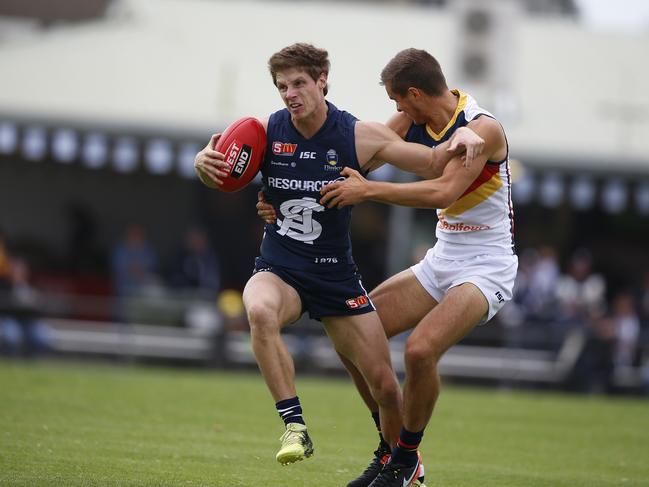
x=460 y=106
x=475 y=197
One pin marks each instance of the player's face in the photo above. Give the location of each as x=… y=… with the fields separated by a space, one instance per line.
x=300 y=93
x=407 y=104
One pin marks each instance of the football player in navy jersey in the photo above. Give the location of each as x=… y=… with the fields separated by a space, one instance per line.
x=305 y=262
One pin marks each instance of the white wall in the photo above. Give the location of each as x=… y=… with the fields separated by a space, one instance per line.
x=571 y=83
x=195 y=65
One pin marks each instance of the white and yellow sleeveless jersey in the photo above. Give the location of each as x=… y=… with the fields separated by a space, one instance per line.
x=481 y=221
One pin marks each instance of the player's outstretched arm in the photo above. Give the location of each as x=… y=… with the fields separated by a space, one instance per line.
x=428 y=193
x=431 y=193
x=376 y=144
x=461 y=141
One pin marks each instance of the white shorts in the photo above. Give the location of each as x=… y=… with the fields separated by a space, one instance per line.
x=493 y=274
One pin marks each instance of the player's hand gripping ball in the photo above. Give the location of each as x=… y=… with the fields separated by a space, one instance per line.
x=244 y=144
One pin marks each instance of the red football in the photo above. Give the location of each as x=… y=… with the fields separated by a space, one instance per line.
x=244 y=144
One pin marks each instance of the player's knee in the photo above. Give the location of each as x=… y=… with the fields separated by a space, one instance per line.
x=386 y=390
x=261 y=320
x=419 y=355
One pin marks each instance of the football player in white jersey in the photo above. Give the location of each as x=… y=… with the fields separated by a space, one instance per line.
x=469 y=274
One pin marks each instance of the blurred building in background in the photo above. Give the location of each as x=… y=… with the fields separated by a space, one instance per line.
x=105 y=103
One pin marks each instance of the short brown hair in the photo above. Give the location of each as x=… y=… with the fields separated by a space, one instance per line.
x=304 y=56
x=414 y=68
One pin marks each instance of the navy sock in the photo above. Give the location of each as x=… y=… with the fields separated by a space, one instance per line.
x=406 y=450
x=290 y=410
x=377 y=422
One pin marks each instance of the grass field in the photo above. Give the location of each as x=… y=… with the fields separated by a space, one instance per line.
x=87 y=425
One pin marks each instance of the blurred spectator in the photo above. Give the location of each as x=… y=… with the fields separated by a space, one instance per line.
x=582 y=306
x=581 y=292
x=82 y=229
x=611 y=343
x=643 y=309
x=627 y=329
x=644 y=299
x=514 y=314
x=529 y=318
x=134 y=263
x=21 y=330
x=134 y=269
x=196 y=267
x=541 y=292
x=6 y=337
x=5 y=264
x=593 y=372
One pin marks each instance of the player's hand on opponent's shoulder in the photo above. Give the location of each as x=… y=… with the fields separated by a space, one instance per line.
x=349 y=191
x=210 y=165
x=265 y=210
x=472 y=143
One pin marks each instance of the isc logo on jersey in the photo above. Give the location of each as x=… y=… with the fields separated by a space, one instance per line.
x=283 y=148
x=238 y=157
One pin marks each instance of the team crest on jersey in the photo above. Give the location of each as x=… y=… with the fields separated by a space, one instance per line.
x=332 y=157
x=297 y=220
x=332 y=161
x=283 y=148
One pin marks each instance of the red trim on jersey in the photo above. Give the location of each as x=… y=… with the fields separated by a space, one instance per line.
x=487 y=173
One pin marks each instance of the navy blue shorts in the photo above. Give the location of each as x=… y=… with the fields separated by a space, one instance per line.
x=324 y=294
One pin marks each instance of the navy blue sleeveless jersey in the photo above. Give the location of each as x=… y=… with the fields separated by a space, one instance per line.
x=307 y=236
